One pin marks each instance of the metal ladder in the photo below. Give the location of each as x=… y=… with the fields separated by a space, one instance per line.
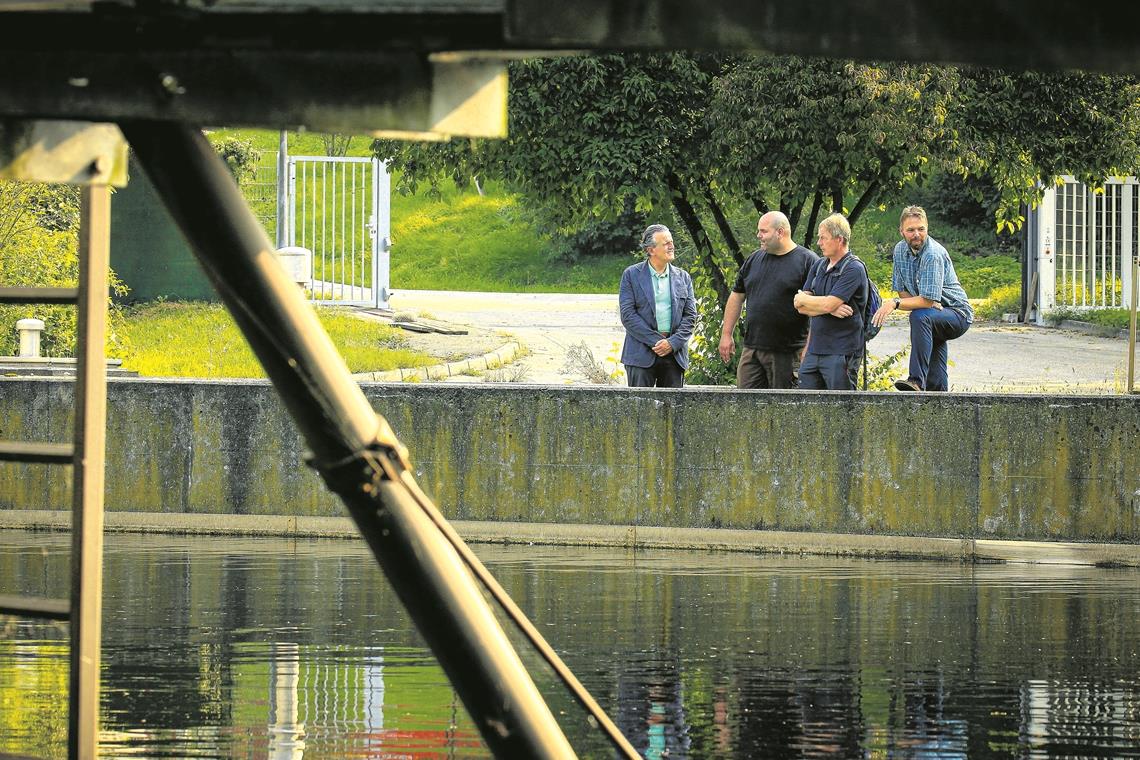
x=86 y=457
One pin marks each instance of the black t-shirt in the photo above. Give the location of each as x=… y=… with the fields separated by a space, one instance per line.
x=769 y=284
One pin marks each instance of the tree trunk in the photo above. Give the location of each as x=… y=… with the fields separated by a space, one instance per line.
x=817 y=201
x=796 y=209
x=864 y=201
x=760 y=206
x=836 y=201
x=722 y=224
x=692 y=222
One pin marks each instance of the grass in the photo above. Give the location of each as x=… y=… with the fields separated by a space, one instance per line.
x=462 y=240
x=1105 y=317
x=185 y=339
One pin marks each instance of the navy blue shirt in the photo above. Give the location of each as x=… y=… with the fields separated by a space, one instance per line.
x=847 y=281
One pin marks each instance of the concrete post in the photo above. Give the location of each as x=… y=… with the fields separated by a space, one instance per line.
x=30 y=330
x=298 y=262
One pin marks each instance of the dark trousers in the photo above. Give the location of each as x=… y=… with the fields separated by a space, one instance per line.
x=767 y=369
x=665 y=373
x=929 y=331
x=830 y=372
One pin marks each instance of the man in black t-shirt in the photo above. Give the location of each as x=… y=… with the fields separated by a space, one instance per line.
x=774 y=332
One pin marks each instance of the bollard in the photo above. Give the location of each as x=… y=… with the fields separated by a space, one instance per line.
x=298 y=262
x=30 y=330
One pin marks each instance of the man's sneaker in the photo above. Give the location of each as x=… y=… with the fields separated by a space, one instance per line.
x=907 y=385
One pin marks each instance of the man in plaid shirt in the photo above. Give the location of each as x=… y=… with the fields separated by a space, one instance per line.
x=928 y=288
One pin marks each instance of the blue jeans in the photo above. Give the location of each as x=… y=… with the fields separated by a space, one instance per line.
x=929 y=331
x=829 y=372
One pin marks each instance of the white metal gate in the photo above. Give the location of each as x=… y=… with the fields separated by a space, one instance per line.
x=339 y=209
x=1085 y=244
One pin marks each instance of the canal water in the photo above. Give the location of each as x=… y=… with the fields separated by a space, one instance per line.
x=268 y=648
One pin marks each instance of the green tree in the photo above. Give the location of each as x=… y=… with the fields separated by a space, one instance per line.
x=709 y=139
x=39 y=227
x=1022 y=130
x=795 y=133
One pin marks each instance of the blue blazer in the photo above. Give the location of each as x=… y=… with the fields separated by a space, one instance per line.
x=639 y=315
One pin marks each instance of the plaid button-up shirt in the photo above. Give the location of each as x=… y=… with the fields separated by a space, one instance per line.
x=930 y=274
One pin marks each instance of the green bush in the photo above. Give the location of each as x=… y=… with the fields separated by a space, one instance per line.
x=1105 y=317
x=1002 y=300
x=41 y=250
x=980 y=277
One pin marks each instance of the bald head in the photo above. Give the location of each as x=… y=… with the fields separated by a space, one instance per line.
x=775 y=233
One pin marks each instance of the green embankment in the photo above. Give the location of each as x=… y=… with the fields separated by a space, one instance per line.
x=170 y=339
x=462 y=240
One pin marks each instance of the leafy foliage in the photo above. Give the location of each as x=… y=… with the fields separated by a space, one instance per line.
x=240 y=155
x=706 y=139
x=1118 y=318
x=829 y=130
x=39 y=248
x=1022 y=129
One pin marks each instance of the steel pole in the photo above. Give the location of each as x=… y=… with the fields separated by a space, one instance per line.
x=353 y=448
x=282 y=194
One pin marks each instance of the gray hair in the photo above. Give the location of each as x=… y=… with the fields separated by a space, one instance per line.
x=918 y=212
x=836 y=225
x=779 y=222
x=647 y=240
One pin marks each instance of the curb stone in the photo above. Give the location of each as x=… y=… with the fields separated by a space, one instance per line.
x=504 y=354
x=1091 y=328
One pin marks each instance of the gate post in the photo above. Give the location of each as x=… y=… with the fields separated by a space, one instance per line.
x=1044 y=218
x=1128 y=199
x=382 y=232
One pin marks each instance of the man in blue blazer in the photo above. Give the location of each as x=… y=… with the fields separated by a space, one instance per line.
x=658 y=310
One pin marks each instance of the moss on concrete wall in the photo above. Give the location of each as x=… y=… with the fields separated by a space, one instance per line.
x=1043 y=467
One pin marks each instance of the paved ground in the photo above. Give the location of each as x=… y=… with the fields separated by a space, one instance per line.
x=990 y=357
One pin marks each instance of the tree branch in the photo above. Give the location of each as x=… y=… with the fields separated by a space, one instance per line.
x=726 y=232
x=864 y=201
x=795 y=210
x=817 y=201
x=836 y=200
x=692 y=222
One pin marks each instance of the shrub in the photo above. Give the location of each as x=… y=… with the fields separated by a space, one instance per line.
x=39 y=257
x=1106 y=317
x=1002 y=300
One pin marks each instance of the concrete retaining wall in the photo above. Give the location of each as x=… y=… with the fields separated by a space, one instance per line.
x=961 y=466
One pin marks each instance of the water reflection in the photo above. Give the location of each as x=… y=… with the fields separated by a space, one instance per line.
x=276 y=649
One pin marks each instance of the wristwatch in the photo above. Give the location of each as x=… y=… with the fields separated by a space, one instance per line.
x=897 y=303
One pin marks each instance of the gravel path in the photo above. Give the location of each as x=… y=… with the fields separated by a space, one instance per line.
x=990 y=357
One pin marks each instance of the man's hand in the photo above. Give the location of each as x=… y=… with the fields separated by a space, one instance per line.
x=880 y=316
x=727 y=348
x=662 y=347
x=843 y=311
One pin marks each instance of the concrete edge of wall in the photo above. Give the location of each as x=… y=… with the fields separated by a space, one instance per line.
x=504 y=354
x=626 y=536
